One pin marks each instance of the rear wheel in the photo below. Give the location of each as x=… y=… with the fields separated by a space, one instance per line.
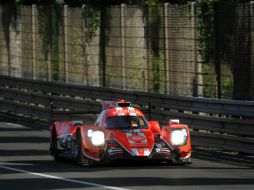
x=53 y=146
x=80 y=158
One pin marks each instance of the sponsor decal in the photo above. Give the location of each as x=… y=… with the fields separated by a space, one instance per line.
x=122 y=112
x=132 y=111
x=140 y=151
x=65 y=128
x=136 y=138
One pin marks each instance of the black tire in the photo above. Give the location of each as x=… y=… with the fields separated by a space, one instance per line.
x=179 y=162
x=188 y=161
x=80 y=158
x=53 y=146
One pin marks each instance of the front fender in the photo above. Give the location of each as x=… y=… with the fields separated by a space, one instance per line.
x=89 y=150
x=185 y=150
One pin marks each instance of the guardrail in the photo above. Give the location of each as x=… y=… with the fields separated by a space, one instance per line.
x=223 y=124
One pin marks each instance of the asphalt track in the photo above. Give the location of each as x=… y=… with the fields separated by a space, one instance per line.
x=26 y=164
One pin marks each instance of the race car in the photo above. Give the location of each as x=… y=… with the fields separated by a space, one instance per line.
x=120 y=132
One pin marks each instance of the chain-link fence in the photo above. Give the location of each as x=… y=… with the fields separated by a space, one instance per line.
x=189 y=50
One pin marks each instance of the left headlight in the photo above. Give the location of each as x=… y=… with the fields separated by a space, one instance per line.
x=97 y=137
x=179 y=137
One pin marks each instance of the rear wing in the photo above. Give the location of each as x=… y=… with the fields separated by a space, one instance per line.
x=72 y=115
x=112 y=104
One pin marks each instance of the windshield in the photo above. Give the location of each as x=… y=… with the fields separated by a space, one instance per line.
x=126 y=122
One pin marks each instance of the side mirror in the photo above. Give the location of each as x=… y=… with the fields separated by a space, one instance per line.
x=154 y=126
x=174 y=122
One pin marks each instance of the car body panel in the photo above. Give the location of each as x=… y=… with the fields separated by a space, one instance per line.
x=135 y=142
x=127 y=134
x=185 y=150
x=89 y=150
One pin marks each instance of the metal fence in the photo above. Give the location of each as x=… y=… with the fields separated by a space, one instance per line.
x=222 y=124
x=172 y=49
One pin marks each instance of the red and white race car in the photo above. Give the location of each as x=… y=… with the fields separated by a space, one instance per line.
x=120 y=132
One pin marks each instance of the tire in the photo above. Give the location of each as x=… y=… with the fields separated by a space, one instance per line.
x=188 y=161
x=179 y=162
x=53 y=146
x=80 y=158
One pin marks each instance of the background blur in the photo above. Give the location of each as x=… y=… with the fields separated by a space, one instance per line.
x=191 y=49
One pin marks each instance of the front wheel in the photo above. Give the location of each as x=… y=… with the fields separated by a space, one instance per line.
x=188 y=161
x=179 y=162
x=80 y=158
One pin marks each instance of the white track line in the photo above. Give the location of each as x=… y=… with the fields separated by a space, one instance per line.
x=61 y=178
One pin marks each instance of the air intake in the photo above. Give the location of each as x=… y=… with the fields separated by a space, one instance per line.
x=123 y=104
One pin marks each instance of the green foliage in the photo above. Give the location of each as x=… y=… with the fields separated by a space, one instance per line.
x=94 y=18
x=75 y=3
x=154 y=24
x=227 y=90
x=216 y=44
x=38 y=2
x=55 y=43
x=206 y=30
x=206 y=36
x=207 y=2
x=152 y=2
x=102 y=3
x=49 y=30
x=156 y=72
x=209 y=80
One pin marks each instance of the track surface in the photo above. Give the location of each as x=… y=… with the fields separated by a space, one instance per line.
x=26 y=164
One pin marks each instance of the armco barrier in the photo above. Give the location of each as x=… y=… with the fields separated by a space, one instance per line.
x=223 y=124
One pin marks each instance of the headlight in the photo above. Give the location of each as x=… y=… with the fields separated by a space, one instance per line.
x=97 y=137
x=179 y=137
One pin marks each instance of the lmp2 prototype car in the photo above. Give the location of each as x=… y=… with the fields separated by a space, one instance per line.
x=120 y=132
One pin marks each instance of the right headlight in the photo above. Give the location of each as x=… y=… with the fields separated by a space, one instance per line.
x=179 y=137
x=97 y=137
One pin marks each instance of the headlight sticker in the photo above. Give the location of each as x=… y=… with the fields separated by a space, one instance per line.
x=97 y=137
x=178 y=137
